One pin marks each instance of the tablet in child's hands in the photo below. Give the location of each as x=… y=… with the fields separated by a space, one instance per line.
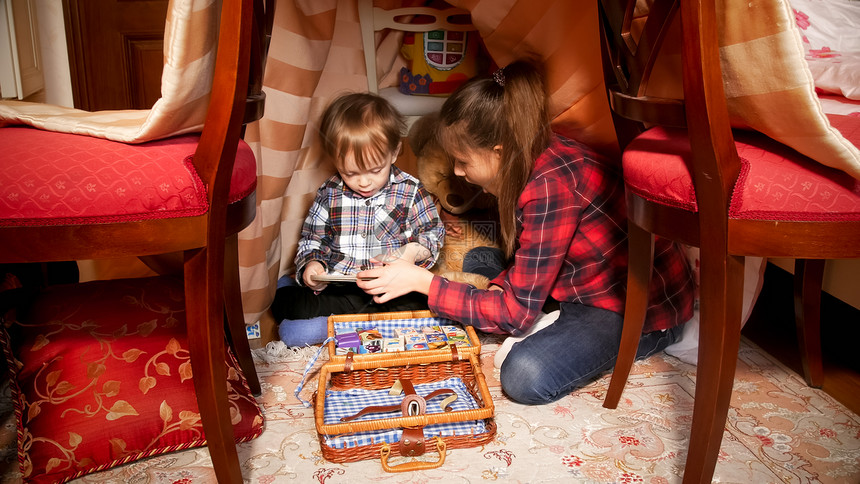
x=335 y=277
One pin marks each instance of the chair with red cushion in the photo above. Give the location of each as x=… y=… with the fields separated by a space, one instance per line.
x=77 y=197
x=692 y=179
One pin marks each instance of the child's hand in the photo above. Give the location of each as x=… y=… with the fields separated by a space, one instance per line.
x=395 y=278
x=412 y=252
x=314 y=268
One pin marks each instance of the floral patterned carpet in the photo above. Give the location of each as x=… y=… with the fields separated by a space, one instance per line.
x=778 y=431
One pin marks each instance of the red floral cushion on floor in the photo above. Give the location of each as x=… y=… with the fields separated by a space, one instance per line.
x=53 y=178
x=775 y=183
x=101 y=376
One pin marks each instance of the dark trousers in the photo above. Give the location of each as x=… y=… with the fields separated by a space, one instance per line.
x=298 y=302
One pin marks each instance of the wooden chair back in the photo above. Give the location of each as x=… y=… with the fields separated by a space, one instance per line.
x=629 y=61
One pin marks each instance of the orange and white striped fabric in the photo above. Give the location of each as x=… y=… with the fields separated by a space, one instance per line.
x=768 y=84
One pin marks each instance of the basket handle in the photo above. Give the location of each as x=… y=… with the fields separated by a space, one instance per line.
x=385 y=452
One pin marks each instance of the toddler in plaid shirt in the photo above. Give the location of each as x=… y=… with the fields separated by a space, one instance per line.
x=369 y=210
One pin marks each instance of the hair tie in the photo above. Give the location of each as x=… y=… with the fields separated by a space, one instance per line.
x=499 y=77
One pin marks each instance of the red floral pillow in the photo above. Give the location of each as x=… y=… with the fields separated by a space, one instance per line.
x=101 y=376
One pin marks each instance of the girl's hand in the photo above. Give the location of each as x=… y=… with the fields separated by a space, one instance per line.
x=412 y=252
x=314 y=268
x=395 y=278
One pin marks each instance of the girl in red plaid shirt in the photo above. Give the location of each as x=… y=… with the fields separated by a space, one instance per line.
x=564 y=239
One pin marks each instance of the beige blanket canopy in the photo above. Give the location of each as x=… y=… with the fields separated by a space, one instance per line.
x=190 y=39
x=316 y=54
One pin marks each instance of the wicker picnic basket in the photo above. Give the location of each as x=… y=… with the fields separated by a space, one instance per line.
x=418 y=367
x=397 y=317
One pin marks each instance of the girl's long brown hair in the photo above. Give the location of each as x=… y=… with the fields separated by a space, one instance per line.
x=507 y=109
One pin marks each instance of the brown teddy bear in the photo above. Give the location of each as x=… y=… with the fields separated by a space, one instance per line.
x=468 y=212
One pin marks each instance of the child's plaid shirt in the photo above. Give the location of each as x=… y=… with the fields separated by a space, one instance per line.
x=572 y=246
x=344 y=231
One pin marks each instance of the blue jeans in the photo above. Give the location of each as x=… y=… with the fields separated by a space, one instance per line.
x=486 y=261
x=570 y=353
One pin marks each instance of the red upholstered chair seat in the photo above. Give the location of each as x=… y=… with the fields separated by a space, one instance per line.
x=775 y=183
x=105 y=181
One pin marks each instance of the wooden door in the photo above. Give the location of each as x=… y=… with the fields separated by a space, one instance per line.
x=26 y=77
x=115 y=52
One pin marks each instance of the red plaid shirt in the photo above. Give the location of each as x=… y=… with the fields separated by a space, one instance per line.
x=572 y=246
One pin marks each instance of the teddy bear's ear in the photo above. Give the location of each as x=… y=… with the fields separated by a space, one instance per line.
x=423 y=132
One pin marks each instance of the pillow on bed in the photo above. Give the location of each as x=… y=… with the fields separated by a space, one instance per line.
x=837 y=75
x=828 y=25
x=96 y=385
x=830 y=30
x=768 y=83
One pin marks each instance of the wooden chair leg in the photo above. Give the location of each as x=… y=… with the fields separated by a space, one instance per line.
x=235 y=315
x=721 y=298
x=233 y=312
x=205 y=320
x=808 y=277
x=640 y=263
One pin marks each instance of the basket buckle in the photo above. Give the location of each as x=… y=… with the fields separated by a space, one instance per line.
x=412 y=442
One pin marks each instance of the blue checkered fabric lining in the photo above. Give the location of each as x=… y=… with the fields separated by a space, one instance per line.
x=349 y=402
x=386 y=327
